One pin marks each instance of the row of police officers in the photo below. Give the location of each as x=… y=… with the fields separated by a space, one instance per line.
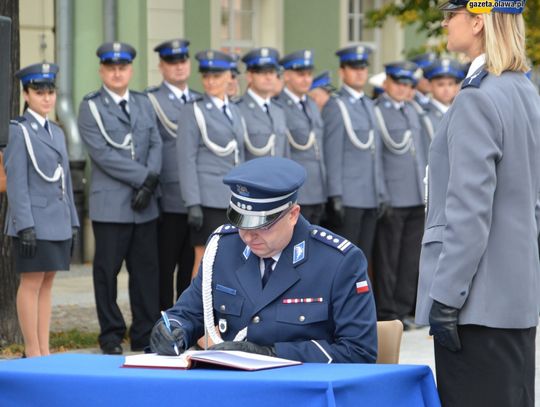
x=159 y=158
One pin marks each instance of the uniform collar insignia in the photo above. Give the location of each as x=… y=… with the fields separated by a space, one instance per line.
x=299 y=251
x=246 y=252
x=34 y=126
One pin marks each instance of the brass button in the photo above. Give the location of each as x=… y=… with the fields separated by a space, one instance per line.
x=301 y=318
x=256 y=319
x=222 y=307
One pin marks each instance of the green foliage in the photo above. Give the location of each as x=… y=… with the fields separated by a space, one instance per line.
x=425 y=15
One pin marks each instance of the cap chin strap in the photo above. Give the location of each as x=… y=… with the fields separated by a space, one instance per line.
x=164 y=120
x=208 y=306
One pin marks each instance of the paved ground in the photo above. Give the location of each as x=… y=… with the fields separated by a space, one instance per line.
x=74 y=307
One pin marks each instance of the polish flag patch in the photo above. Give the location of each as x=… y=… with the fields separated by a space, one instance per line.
x=362 y=287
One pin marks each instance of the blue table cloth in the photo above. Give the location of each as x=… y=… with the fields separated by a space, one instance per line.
x=96 y=380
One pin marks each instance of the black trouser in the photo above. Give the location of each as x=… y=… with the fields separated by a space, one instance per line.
x=175 y=249
x=396 y=256
x=137 y=245
x=312 y=213
x=359 y=228
x=495 y=367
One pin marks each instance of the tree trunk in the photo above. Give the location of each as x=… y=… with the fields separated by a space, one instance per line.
x=9 y=281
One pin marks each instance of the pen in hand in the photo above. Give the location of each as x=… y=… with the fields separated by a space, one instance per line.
x=168 y=326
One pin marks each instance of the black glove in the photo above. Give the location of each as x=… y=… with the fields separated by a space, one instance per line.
x=245 y=346
x=162 y=340
x=142 y=198
x=443 y=326
x=337 y=211
x=74 y=236
x=384 y=209
x=28 y=243
x=195 y=217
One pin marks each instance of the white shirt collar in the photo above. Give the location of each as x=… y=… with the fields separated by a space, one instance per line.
x=219 y=103
x=295 y=98
x=441 y=106
x=354 y=93
x=476 y=64
x=177 y=91
x=115 y=97
x=259 y=100
x=261 y=263
x=39 y=118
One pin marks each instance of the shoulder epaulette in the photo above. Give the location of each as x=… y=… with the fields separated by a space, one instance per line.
x=195 y=98
x=331 y=239
x=18 y=120
x=237 y=100
x=92 y=95
x=151 y=89
x=475 y=80
x=136 y=92
x=195 y=93
x=225 y=229
x=277 y=101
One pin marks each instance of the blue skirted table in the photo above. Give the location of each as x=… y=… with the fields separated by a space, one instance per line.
x=96 y=380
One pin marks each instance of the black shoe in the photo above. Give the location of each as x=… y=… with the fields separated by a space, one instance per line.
x=112 y=349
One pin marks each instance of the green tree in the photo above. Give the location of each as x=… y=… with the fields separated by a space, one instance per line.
x=425 y=15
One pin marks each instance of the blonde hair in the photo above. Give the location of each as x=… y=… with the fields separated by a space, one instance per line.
x=504 y=43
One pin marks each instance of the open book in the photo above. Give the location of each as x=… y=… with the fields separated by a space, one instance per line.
x=228 y=358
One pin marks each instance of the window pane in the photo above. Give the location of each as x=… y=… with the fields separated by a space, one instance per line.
x=351 y=6
x=243 y=29
x=360 y=8
x=351 y=29
x=360 y=29
x=225 y=25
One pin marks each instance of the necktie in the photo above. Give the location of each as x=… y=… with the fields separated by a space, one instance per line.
x=268 y=263
x=46 y=126
x=123 y=106
x=304 y=109
x=266 y=108
x=183 y=98
x=224 y=108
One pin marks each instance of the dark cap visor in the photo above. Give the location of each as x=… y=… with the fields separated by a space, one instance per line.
x=451 y=5
x=402 y=79
x=251 y=221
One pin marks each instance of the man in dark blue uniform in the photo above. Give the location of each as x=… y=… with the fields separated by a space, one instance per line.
x=274 y=284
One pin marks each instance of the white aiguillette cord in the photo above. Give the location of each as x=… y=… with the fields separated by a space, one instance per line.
x=127 y=144
x=58 y=173
x=208 y=307
x=167 y=124
x=396 y=148
x=268 y=148
x=351 y=133
x=231 y=147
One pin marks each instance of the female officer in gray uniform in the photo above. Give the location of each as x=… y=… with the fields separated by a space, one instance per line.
x=41 y=217
x=479 y=285
x=210 y=143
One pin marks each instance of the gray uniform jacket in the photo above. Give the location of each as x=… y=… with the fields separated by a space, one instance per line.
x=33 y=201
x=115 y=175
x=314 y=189
x=260 y=126
x=433 y=114
x=479 y=251
x=353 y=173
x=404 y=173
x=201 y=171
x=170 y=200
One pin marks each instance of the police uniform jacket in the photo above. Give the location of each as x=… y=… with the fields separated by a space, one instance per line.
x=314 y=189
x=479 y=251
x=339 y=325
x=115 y=175
x=260 y=126
x=404 y=173
x=33 y=201
x=434 y=114
x=354 y=174
x=200 y=170
x=170 y=200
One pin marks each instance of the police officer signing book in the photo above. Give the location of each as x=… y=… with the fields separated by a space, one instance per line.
x=174 y=245
x=210 y=142
x=399 y=231
x=118 y=127
x=265 y=121
x=305 y=133
x=274 y=284
x=353 y=153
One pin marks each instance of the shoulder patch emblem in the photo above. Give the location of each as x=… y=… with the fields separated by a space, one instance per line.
x=335 y=241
